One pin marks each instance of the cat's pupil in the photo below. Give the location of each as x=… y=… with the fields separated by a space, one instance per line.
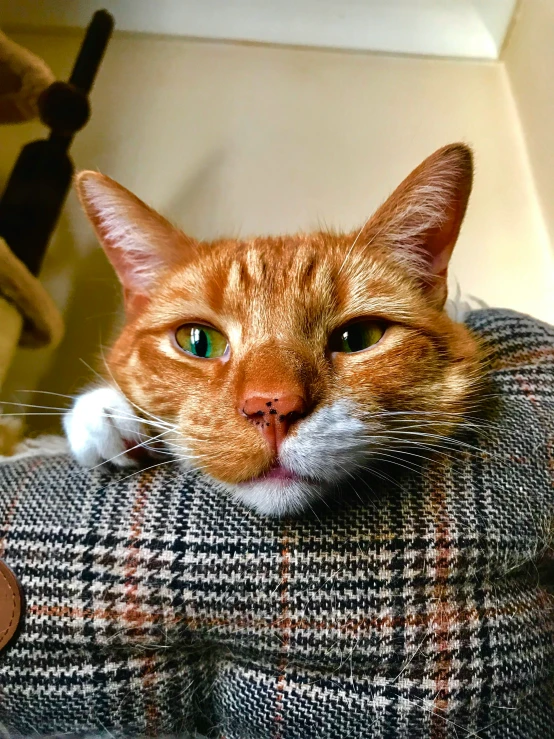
x=199 y=341
x=354 y=338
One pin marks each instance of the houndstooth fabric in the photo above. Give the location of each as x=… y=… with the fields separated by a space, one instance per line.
x=155 y=606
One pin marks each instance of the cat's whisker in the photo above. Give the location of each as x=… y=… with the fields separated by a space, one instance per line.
x=181 y=454
x=420 y=444
x=433 y=448
x=424 y=425
x=157 y=450
x=458 y=421
x=24 y=413
x=46 y=392
x=379 y=441
x=378 y=233
x=431 y=417
x=450 y=440
x=444 y=439
x=457 y=434
x=380 y=475
x=142 y=410
x=56 y=410
x=349 y=252
x=312 y=509
x=48 y=411
x=145 y=469
x=420 y=452
x=126 y=451
x=180 y=446
x=29 y=405
x=393 y=460
x=199 y=442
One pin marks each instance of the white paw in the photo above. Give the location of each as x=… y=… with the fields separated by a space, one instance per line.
x=103 y=426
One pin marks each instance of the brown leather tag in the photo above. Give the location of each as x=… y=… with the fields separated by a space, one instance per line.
x=10 y=604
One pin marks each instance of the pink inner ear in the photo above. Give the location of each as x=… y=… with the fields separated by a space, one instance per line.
x=440 y=252
x=423 y=216
x=132 y=262
x=441 y=240
x=140 y=243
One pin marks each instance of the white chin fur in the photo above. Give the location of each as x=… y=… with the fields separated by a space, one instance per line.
x=276 y=497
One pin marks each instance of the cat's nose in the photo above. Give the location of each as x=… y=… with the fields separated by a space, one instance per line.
x=273 y=416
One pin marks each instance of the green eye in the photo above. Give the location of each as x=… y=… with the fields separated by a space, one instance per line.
x=201 y=341
x=357 y=336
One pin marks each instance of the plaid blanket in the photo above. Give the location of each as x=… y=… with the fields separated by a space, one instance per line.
x=155 y=606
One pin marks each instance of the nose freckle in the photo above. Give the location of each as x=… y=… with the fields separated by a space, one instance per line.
x=274 y=418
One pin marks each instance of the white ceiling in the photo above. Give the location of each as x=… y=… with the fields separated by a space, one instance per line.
x=454 y=28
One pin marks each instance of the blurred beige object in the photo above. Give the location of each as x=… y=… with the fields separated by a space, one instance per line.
x=28 y=318
x=23 y=77
x=11 y=322
x=41 y=322
x=11 y=436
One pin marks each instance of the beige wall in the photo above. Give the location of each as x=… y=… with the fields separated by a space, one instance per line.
x=529 y=62
x=243 y=139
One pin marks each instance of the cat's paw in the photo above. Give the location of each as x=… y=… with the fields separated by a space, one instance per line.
x=102 y=426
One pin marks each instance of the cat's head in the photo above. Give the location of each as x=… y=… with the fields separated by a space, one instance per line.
x=286 y=365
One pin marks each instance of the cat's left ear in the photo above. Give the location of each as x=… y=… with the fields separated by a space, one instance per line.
x=421 y=220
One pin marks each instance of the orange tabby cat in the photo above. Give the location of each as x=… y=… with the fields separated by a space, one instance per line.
x=283 y=366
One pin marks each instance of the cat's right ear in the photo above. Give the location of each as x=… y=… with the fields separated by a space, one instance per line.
x=140 y=243
x=422 y=218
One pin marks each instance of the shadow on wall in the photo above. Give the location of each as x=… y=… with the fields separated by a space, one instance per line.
x=195 y=205
x=78 y=274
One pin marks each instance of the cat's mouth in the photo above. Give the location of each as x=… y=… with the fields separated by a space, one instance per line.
x=276 y=473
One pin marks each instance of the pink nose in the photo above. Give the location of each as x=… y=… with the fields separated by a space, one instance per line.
x=273 y=416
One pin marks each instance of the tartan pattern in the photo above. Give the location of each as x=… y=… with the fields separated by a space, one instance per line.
x=155 y=606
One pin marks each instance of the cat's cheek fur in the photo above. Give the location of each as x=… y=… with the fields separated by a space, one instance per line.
x=327 y=443
x=102 y=426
